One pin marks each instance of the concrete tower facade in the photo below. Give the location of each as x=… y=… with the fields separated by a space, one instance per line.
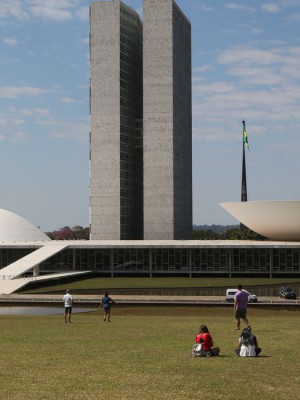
x=116 y=162
x=140 y=122
x=167 y=123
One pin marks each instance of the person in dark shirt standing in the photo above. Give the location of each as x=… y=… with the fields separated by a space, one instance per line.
x=240 y=307
x=106 y=305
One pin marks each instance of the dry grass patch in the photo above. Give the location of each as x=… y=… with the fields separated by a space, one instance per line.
x=144 y=354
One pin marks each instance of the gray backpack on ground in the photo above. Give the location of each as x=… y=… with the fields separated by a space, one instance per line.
x=197 y=351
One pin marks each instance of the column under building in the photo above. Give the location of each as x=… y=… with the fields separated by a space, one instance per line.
x=167 y=121
x=116 y=160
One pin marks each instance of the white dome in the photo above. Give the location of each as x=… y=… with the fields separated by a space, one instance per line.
x=276 y=220
x=14 y=228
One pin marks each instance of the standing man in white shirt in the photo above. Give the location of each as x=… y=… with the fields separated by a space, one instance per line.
x=68 y=300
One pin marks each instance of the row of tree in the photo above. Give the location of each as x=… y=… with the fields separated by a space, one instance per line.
x=67 y=233
x=237 y=233
x=230 y=234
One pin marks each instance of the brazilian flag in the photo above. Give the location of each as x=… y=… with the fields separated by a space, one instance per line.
x=245 y=137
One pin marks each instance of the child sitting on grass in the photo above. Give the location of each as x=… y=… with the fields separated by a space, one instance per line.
x=247 y=344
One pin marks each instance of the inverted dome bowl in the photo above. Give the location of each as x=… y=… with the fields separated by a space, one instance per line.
x=276 y=220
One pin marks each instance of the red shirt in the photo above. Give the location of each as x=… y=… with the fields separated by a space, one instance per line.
x=207 y=341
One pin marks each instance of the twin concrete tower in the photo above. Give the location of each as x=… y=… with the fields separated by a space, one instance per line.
x=140 y=122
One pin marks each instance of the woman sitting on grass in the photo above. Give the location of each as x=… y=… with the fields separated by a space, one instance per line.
x=204 y=338
x=247 y=344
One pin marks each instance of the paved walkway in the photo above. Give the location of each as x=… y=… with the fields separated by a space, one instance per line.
x=140 y=299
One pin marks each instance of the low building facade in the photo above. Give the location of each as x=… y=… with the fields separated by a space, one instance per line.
x=157 y=258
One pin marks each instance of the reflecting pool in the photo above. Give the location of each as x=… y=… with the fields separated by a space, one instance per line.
x=34 y=310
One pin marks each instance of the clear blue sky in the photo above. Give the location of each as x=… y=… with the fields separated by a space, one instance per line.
x=246 y=66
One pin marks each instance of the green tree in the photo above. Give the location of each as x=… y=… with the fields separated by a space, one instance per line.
x=205 y=235
x=241 y=234
x=81 y=233
x=230 y=234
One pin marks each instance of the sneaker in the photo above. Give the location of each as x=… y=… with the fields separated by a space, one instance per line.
x=237 y=329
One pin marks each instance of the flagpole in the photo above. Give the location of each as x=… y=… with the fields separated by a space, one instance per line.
x=244 y=178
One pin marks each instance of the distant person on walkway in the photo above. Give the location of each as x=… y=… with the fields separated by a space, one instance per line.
x=68 y=301
x=240 y=307
x=205 y=339
x=106 y=305
x=247 y=344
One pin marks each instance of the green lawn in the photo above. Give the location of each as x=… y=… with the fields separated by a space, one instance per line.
x=144 y=354
x=169 y=282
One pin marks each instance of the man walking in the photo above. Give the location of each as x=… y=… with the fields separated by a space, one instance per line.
x=240 y=307
x=68 y=300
